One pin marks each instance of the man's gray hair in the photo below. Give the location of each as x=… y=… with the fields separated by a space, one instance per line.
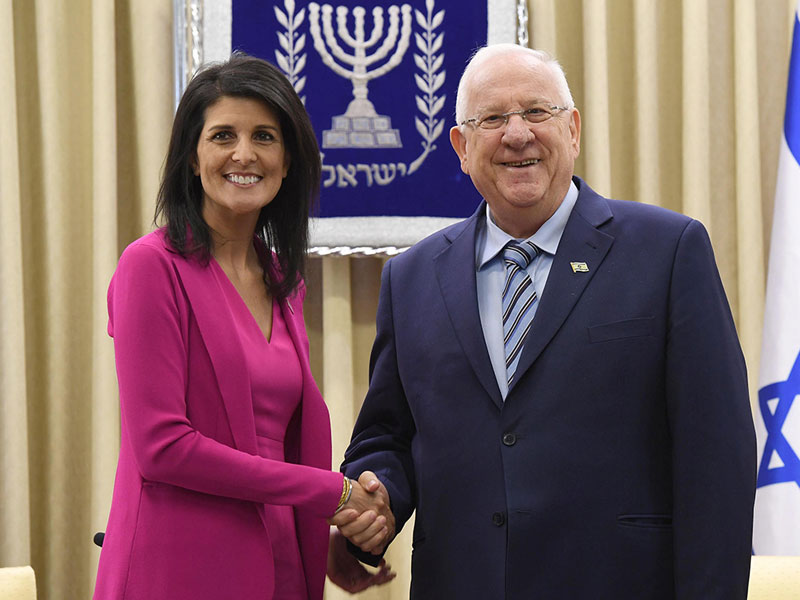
x=486 y=52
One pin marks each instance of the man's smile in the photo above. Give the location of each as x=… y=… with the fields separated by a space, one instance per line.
x=522 y=163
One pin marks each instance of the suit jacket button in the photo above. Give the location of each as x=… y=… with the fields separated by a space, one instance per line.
x=498 y=519
x=509 y=439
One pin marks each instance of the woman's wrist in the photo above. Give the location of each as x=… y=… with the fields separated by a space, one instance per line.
x=347 y=490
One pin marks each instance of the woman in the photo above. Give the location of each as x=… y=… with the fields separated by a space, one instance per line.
x=223 y=485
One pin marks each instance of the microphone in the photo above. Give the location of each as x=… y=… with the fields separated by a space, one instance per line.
x=98 y=538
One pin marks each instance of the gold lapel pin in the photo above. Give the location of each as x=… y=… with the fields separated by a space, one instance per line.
x=579 y=267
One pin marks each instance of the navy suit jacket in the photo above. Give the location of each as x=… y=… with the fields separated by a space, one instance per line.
x=622 y=462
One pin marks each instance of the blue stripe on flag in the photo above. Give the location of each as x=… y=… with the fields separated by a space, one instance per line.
x=791 y=124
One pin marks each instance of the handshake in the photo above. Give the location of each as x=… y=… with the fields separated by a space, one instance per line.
x=366 y=518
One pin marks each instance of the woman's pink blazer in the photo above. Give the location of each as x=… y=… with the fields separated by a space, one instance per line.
x=187 y=515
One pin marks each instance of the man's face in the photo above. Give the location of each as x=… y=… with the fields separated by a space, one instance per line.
x=522 y=170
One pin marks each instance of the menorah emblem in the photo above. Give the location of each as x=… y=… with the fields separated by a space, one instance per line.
x=360 y=126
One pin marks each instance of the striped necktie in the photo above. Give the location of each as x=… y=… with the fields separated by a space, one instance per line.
x=518 y=300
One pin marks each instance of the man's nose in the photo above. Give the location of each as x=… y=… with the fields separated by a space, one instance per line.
x=517 y=131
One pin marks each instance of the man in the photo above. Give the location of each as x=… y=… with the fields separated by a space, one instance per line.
x=603 y=449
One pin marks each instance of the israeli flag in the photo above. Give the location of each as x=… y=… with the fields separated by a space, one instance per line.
x=777 y=508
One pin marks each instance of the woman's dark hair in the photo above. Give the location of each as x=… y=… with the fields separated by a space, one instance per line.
x=283 y=223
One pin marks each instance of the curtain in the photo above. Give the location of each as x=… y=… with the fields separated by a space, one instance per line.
x=682 y=106
x=86 y=109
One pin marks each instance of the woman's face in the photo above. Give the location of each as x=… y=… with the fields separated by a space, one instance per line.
x=241 y=158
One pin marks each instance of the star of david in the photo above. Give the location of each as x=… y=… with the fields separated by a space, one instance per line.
x=785 y=392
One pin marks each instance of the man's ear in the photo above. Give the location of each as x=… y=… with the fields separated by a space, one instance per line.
x=575 y=131
x=459 y=143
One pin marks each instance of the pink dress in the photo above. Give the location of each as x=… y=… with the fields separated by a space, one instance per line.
x=276 y=381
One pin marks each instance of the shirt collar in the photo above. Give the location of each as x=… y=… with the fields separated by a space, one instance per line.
x=546 y=238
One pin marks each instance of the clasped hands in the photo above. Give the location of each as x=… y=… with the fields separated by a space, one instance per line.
x=366 y=519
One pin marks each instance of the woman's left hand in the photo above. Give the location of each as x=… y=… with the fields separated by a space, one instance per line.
x=347 y=572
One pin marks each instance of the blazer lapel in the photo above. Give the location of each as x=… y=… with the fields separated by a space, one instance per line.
x=313 y=444
x=455 y=271
x=581 y=242
x=315 y=419
x=224 y=348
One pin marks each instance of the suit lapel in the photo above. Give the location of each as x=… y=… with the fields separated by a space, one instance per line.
x=581 y=242
x=217 y=327
x=455 y=271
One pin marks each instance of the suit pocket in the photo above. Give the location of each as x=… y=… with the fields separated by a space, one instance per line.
x=629 y=328
x=646 y=521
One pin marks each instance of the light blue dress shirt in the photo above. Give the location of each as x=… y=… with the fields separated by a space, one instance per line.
x=491 y=275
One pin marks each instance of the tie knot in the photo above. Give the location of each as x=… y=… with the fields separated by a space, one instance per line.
x=520 y=254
